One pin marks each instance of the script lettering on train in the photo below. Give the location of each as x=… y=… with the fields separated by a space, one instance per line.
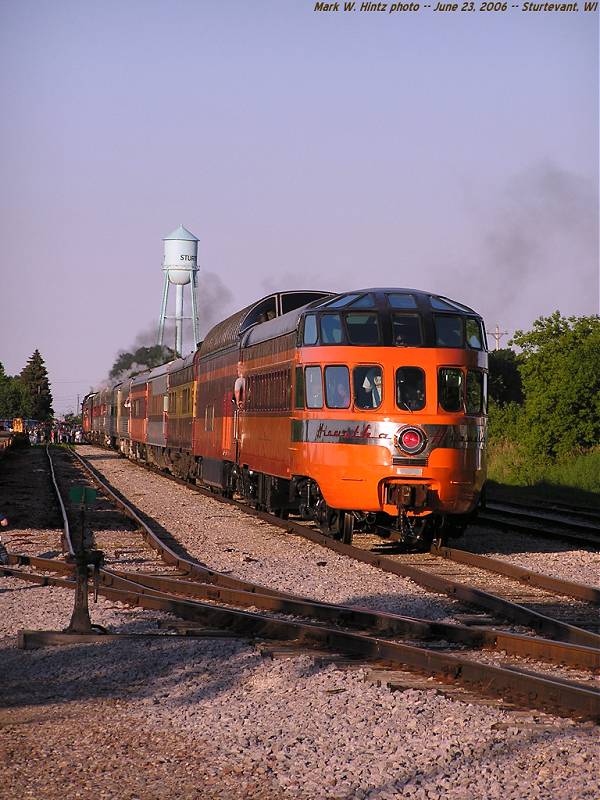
x=358 y=432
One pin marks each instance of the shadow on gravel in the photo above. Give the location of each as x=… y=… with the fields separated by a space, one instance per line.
x=431 y=747
x=545 y=493
x=154 y=526
x=144 y=669
x=477 y=771
x=26 y=496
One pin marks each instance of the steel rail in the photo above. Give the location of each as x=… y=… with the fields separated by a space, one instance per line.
x=167 y=553
x=524 y=687
x=551 y=507
x=67 y=543
x=579 y=591
x=536 y=690
x=460 y=591
x=381 y=622
x=546 y=626
x=505 y=520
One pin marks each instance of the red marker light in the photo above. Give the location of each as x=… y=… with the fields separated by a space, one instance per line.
x=411 y=440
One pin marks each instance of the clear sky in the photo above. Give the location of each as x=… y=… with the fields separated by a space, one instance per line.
x=454 y=152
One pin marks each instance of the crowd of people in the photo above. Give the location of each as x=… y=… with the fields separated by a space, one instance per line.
x=55 y=433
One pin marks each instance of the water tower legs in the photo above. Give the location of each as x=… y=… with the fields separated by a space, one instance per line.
x=163 y=310
x=179 y=319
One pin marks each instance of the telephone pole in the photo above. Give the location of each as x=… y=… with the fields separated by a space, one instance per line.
x=498 y=334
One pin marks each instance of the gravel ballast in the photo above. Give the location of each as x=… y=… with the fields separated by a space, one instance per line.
x=178 y=718
x=168 y=717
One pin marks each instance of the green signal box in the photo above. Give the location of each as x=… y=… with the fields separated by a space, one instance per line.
x=82 y=495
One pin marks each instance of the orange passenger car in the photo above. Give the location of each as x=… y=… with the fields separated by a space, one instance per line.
x=364 y=411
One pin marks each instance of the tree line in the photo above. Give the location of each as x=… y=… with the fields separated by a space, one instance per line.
x=545 y=399
x=28 y=394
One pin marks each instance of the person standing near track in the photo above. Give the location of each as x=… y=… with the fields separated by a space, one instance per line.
x=3 y=520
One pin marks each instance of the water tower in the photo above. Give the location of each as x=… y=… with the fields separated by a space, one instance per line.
x=180 y=266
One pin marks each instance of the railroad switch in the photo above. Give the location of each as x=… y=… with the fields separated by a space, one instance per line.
x=84 y=558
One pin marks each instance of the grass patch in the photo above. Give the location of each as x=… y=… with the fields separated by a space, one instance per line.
x=515 y=475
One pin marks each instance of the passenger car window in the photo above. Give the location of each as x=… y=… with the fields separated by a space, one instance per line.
x=264 y=311
x=314 y=387
x=410 y=388
x=406 y=330
x=450 y=388
x=474 y=392
x=443 y=304
x=343 y=301
x=473 y=332
x=310 y=329
x=448 y=331
x=337 y=387
x=366 y=301
x=362 y=328
x=401 y=300
x=331 y=329
x=299 y=393
x=367 y=384
x=485 y=393
x=293 y=300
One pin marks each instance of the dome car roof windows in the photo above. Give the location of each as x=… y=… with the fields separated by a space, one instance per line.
x=354 y=301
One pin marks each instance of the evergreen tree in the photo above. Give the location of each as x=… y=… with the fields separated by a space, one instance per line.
x=34 y=381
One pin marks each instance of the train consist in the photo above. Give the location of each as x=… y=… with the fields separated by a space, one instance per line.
x=365 y=411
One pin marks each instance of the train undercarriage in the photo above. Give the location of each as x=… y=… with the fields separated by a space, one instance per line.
x=412 y=529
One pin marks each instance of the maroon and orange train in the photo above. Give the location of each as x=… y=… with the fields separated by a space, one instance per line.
x=364 y=410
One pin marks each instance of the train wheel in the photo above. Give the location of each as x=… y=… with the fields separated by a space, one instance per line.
x=339 y=525
x=347 y=527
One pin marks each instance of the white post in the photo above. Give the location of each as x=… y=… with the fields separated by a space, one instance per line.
x=194 y=308
x=163 y=309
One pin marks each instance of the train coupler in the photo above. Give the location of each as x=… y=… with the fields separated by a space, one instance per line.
x=407 y=495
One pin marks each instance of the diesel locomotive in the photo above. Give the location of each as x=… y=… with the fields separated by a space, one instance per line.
x=365 y=411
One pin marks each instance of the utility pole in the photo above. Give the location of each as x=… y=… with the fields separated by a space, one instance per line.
x=498 y=334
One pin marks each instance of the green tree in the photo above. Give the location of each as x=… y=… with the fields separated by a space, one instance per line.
x=38 y=397
x=505 y=379
x=560 y=370
x=13 y=399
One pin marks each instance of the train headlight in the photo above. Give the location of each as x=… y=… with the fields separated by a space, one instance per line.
x=411 y=440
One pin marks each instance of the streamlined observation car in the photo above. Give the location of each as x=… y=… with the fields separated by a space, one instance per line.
x=366 y=410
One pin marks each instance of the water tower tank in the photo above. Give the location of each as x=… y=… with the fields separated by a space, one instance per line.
x=181 y=254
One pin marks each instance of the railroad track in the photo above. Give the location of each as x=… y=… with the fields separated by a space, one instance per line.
x=572 y=525
x=550 y=507
x=202 y=596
